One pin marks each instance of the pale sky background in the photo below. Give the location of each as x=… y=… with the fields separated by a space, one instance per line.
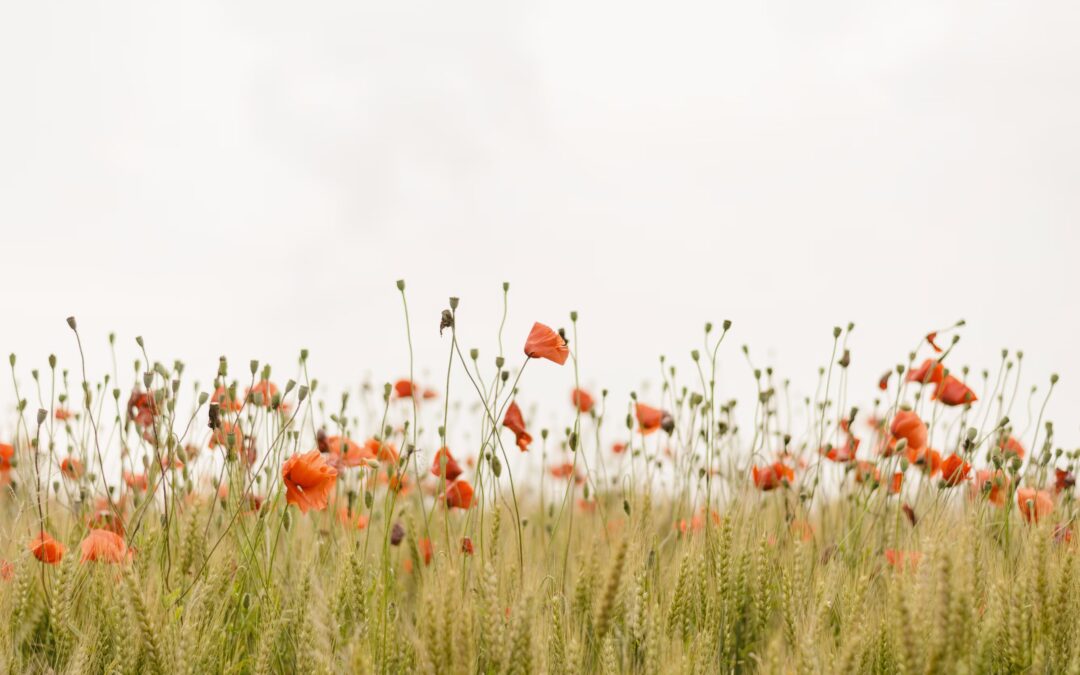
x=250 y=178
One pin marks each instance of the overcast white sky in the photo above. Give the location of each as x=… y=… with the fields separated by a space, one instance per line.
x=250 y=178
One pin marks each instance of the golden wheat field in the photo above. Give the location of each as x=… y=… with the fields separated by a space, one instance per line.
x=156 y=520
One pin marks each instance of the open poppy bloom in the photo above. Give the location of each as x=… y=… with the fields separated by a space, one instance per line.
x=907 y=425
x=459 y=495
x=309 y=480
x=544 y=343
x=649 y=419
x=954 y=470
x=866 y=472
x=516 y=423
x=927 y=459
x=1034 y=504
x=266 y=391
x=381 y=450
x=71 y=468
x=896 y=483
x=566 y=471
x=466 y=546
x=773 y=476
x=952 y=391
x=46 y=549
x=63 y=414
x=7 y=453
x=225 y=400
x=930 y=372
x=582 y=400
x=135 y=481
x=1011 y=446
x=345 y=451
x=994 y=484
x=404 y=388
x=103 y=546
x=618 y=448
x=452 y=469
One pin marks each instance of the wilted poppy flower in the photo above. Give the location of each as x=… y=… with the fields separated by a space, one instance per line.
x=1034 y=504
x=883 y=381
x=907 y=425
x=225 y=400
x=309 y=480
x=954 y=470
x=516 y=423
x=135 y=481
x=1063 y=480
x=649 y=418
x=452 y=469
x=1011 y=446
x=466 y=546
x=71 y=468
x=994 y=484
x=142 y=408
x=46 y=549
x=104 y=546
x=903 y=559
x=930 y=372
x=772 y=476
x=931 y=339
x=582 y=400
x=397 y=533
x=266 y=391
x=544 y=343
x=459 y=495
x=63 y=414
x=952 y=391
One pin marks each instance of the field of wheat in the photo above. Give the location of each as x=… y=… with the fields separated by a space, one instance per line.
x=922 y=523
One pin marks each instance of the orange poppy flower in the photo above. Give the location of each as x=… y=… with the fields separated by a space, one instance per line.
x=7 y=453
x=382 y=451
x=952 y=391
x=929 y=460
x=866 y=471
x=930 y=372
x=649 y=419
x=907 y=425
x=452 y=469
x=954 y=470
x=544 y=343
x=360 y=521
x=896 y=483
x=802 y=530
x=994 y=484
x=459 y=495
x=582 y=401
x=135 y=481
x=1034 y=504
x=903 y=559
x=426 y=549
x=883 y=381
x=466 y=546
x=1011 y=446
x=931 y=338
x=104 y=546
x=266 y=389
x=7 y=570
x=1063 y=480
x=516 y=423
x=354 y=454
x=843 y=453
x=566 y=471
x=404 y=388
x=63 y=414
x=229 y=436
x=225 y=400
x=105 y=519
x=46 y=549
x=309 y=480
x=618 y=448
x=71 y=468
x=773 y=476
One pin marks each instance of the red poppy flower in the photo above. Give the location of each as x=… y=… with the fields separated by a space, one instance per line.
x=928 y=459
x=544 y=343
x=994 y=484
x=582 y=400
x=565 y=470
x=104 y=546
x=229 y=436
x=649 y=418
x=903 y=559
x=71 y=468
x=142 y=408
x=896 y=483
x=773 y=476
x=516 y=423
x=459 y=495
x=931 y=338
x=63 y=414
x=225 y=400
x=404 y=388
x=266 y=389
x=618 y=448
x=1034 y=504
x=845 y=452
x=954 y=470
x=426 y=549
x=930 y=372
x=135 y=481
x=452 y=468
x=7 y=453
x=1063 y=480
x=866 y=471
x=952 y=391
x=7 y=570
x=46 y=549
x=466 y=546
x=907 y=425
x=309 y=480
x=1011 y=446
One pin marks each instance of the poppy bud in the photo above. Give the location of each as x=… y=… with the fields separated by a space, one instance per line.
x=453 y=302
x=1003 y=423
x=726 y=324
x=1053 y=378
x=836 y=331
x=544 y=434
x=286 y=520
x=845 y=360
x=11 y=359
x=41 y=415
x=397 y=533
x=505 y=376
x=245 y=601
x=506 y=286
x=694 y=355
x=708 y=327
x=573 y=315
x=901 y=445
x=301 y=393
x=499 y=362
x=474 y=353
x=496 y=466
x=401 y=284
x=572 y=441
x=369 y=498
x=71 y=323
